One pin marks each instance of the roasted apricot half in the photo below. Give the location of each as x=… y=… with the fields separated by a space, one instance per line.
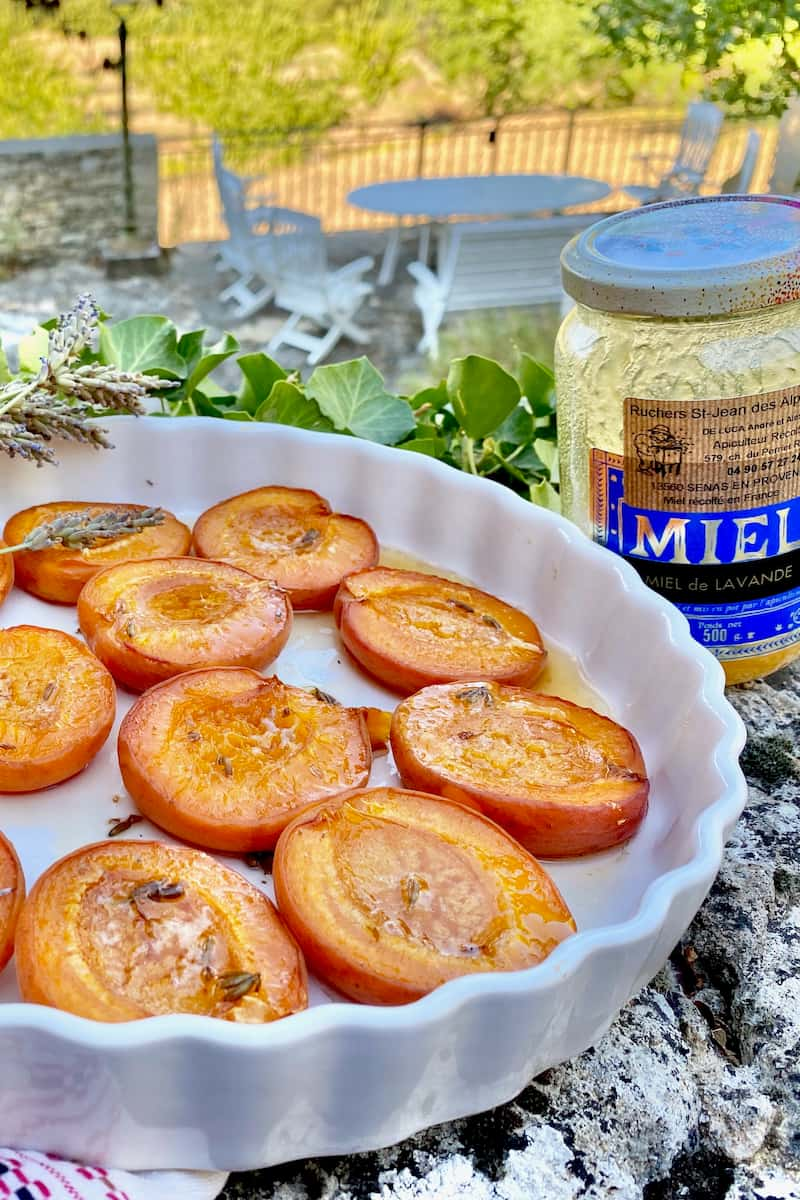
x=148 y=621
x=58 y=574
x=12 y=893
x=291 y=536
x=122 y=930
x=561 y=779
x=225 y=758
x=409 y=630
x=391 y=893
x=57 y=704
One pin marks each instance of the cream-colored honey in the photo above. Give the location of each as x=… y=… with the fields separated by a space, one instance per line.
x=601 y=358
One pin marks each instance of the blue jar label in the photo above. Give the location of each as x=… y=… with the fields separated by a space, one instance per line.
x=733 y=571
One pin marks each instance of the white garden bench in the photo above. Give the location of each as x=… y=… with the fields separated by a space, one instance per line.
x=493 y=264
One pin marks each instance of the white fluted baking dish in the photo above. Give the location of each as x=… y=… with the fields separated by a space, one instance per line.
x=186 y=1091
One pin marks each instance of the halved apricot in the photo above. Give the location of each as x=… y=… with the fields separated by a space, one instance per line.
x=562 y=779
x=148 y=621
x=122 y=930
x=58 y=574
x=225 y=758
x=409 y=630
x=12 y=893
x=391 y=893
x=6 y=573
x=57 y=704
x=288 y=535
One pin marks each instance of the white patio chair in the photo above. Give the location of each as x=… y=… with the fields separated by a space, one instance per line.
x=309 y=291
x=785 y=178
x=493 y=264
x=699 y=135
x=246 y=252
x=739 y=182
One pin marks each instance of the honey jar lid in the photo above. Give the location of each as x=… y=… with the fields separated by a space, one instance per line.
x=699 y=257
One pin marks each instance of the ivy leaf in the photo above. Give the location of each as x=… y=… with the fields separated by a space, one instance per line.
x=208 y=359
x=482 y=394
x=207 y=407
x=434 y=397
x=434 y=447
x=517 y=429
x=538 y=385
x=31 y=349
x=548 y=453
x=260 y=373
x=353 y=396
x=288 y=405
x=190 y=347
x=143 y=344
x=546 y=496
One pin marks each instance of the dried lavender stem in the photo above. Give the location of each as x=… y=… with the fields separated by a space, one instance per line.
x=61 y=400
x=78 y=531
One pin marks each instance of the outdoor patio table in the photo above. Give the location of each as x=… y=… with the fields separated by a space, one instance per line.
x=439 y=198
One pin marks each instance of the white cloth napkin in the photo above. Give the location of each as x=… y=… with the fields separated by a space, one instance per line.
x=28 y=1175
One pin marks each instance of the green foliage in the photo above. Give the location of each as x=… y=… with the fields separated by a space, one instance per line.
x=291 y=73
x=509 y=55
x=253 y=66
x=143 y=344
x=480 y=419
x=748 y=54
x=353 y=396
x=481 y=393
x=39 y=95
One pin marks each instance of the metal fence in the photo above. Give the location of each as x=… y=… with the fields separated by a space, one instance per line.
x=313 y=171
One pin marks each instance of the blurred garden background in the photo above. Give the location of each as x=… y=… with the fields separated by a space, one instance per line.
x=313 y=101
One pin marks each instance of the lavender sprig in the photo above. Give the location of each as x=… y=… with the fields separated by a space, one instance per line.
x=65 y=394
x=79 y=530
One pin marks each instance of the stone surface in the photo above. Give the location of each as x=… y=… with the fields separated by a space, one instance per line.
x=694 y=1093
x=61 y=197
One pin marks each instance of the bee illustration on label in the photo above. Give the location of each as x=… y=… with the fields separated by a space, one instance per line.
x=660 y=451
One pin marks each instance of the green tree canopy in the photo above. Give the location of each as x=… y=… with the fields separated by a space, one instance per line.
x=509 y=55
x=248 y=64
x=746 y=53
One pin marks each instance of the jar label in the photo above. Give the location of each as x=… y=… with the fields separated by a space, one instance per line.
x=732 y=563
x=712 y=455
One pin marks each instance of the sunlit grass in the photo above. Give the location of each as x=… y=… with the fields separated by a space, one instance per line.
x=495 y=333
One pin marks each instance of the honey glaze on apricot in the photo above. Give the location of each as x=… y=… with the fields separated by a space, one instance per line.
x=58 y=574
x=289 y=535
x=410 y=629
x=121 y=930
x=148 y=621
x=57 y=705
x=391 y=893
x=12 y=894
x=561 y=778
x=225 y=758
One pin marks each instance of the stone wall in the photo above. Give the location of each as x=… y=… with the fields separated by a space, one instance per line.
x=64 y=197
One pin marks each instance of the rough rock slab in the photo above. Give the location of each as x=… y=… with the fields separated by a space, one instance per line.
x=694 y=1094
